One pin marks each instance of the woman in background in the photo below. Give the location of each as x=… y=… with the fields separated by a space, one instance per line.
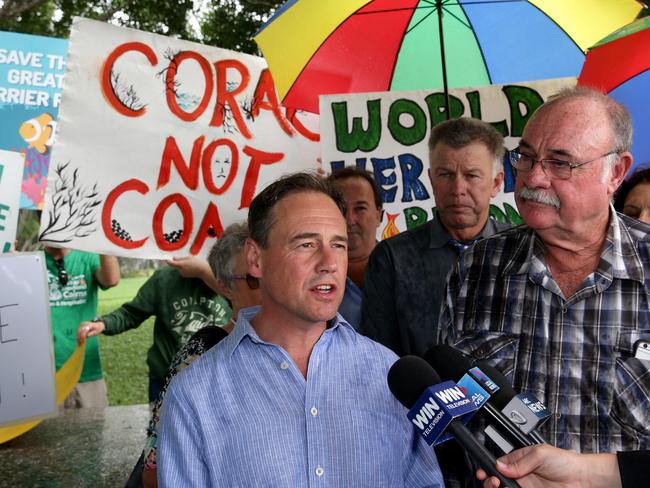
x=633 y=196
x=228 y=263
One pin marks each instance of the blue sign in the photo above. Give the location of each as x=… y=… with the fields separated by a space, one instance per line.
x=31 y=78
x=437 y=407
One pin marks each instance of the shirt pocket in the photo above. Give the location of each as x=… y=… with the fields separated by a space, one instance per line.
x=500 y=349
x=631 y=401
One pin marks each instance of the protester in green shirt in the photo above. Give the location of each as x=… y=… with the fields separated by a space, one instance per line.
x=73 y=278
x=182 y=297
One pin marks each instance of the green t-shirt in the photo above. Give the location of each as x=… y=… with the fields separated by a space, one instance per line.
x=181 y=307
x=72 y=304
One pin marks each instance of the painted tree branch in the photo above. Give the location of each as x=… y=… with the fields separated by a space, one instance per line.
x=73 y=211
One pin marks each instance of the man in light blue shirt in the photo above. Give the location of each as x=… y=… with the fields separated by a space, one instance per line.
x=294 y=396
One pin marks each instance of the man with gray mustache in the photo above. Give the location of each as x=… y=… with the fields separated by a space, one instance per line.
x=561 y=304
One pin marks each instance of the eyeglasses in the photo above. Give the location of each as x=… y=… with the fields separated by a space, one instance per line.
x=252 y=282
x=553 y=168
x=63 y=275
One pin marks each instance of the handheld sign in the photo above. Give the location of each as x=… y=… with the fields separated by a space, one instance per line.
x=27 y=388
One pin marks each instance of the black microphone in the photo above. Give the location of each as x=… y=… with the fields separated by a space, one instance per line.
x=410 y=379
x=453 y=365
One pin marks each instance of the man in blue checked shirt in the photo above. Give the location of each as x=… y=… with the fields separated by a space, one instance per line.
x=561 y=304
x=293 y=396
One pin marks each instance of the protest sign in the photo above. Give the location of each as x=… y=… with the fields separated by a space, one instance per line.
x=11 y=174
x=31 y=76
x=27 y=388
x=387 y=134
x=162 y=143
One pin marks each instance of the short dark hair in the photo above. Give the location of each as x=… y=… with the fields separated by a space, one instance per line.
x=260 y=218
x=639 y=176
x=461 y=132
x=355 y=172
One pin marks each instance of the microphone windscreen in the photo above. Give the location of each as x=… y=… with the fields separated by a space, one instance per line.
x=505 y=393
x=409 y=377
x=450 y=363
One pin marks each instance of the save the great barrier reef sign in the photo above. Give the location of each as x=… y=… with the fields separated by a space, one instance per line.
x=162 y=143
x=387 y=134
x=31 y=77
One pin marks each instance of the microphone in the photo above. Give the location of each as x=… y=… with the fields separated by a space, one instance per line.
x=505 y=433
x=523 y=409
x=434 y=408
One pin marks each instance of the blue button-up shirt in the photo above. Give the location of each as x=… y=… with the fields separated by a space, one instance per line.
x=243 y=415
x=350 y=307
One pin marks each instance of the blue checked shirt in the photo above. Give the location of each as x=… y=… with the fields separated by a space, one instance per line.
x=243 y=415
x=576 y=355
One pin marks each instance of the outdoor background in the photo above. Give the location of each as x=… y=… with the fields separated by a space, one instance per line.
x=227 y=24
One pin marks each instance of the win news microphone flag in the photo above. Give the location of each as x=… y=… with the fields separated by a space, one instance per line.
x=453 y=365
x=435 y=409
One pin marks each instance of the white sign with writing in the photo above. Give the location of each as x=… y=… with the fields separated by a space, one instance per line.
x=11 y=176
x=27 y=389
x=162 y=143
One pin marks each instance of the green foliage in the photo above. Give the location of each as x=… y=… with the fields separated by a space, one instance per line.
x=231 y=24
x=224 y=23
x=124 y=356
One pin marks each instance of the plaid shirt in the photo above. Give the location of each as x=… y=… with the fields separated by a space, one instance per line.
x=576 y=354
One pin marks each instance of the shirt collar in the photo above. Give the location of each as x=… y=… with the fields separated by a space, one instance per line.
x=439 y=237
x=244 y=328
x=619 y=258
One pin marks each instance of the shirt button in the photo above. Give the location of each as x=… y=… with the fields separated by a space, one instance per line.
x=313 y=411
x=319 y=471
x=284 y=365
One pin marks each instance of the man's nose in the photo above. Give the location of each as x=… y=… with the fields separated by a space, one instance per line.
x=536 y=177
x=327 y=262
x=459 y=185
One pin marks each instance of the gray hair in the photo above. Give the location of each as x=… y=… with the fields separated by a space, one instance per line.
x=222 y=255
x=619 y=118
x=461 y=132
x=620 y=122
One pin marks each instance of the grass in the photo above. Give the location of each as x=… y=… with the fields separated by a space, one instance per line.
x=124 y=356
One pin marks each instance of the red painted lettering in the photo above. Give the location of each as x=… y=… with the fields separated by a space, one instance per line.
x=107 y=68
x=266 y=98
x=188 y=173
x=210 y=227
x=159 y=216
x=107 y=211
x=226 y=98
x=258 y=158
x=170 y=88
x=292 y=116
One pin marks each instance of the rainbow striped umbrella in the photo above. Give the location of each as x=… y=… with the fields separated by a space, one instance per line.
x=316 y=47
x=620 y=65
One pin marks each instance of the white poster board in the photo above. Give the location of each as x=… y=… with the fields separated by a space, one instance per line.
x=162 y=143
x=387 y=134
x=11 y=177
x=27 y=389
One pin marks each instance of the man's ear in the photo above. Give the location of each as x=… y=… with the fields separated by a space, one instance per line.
x=496 y=184
x=223 y=290
x=618 y=171
x=253 y=258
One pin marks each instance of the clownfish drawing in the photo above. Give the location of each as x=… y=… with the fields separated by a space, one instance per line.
x=39 y=132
